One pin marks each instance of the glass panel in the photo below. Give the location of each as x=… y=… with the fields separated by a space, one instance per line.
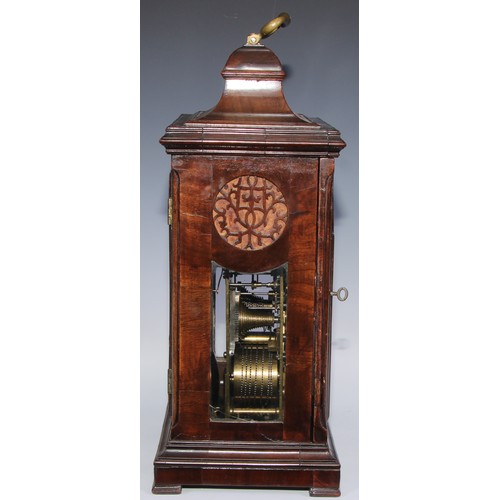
x=248 y=344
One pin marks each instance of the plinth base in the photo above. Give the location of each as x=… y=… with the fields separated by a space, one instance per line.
x=289 y=465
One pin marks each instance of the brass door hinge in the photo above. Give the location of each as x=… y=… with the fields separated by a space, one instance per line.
x=170 y=211
x=169 y=381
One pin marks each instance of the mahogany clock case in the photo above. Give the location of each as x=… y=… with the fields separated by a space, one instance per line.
x=197 y=86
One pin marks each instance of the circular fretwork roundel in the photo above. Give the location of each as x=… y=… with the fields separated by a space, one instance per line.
x=250 y=212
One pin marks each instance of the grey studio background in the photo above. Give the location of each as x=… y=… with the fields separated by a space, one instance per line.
x=184 y=46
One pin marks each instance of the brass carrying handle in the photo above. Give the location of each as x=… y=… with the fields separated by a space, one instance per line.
x=341 y=296
x=282 y=21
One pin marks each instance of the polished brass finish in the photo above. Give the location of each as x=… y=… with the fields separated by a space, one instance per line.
x=339 y=295
x=170 y=211
x=282 y=21
x=282 y=345
x=227 y=354
x=255 y=380
x=261 y=338
x=255 y=411
x=169 y=381
x=254 y=359
x=252 y=285
x=249 y=314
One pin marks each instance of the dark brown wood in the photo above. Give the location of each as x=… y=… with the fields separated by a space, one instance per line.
x=323 y=304
x=252 y=116
x=267 y=464
x=251 y=134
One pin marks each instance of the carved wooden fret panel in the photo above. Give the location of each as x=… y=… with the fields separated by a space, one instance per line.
x=250 y=212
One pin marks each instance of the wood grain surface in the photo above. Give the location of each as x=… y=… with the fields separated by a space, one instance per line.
x=251 y=132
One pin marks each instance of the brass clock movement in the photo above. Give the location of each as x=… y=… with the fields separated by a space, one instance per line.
x=251 y=263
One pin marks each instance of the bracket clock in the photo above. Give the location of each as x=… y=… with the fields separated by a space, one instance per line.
x=251 y=262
